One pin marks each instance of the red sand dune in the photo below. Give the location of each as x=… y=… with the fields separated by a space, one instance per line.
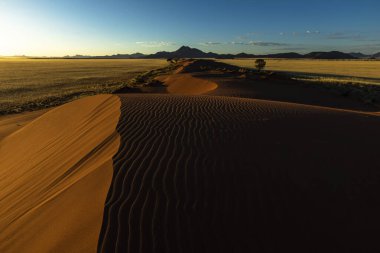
x=54 y=176
x=12 y=123
x=187 y=84
x=191 y=173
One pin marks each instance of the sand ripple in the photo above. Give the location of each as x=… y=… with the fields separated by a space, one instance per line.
x=219 y=174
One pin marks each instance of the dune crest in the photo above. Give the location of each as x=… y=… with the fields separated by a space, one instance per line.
x=12 y=123
x=54 y=174
x=183 y=82
x=187 y=84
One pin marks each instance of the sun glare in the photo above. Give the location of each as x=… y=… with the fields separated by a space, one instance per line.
x=8 y=39
x=19 y=36
x=14 y=35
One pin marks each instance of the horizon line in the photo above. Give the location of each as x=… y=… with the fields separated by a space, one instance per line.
x=144 y=54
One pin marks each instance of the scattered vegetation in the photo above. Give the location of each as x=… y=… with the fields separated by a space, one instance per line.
x=35 y=84
x=27 y=84
x=148 y=78
x=172 y=60
x=366 y=69
x=363 y=89
x=260 y=64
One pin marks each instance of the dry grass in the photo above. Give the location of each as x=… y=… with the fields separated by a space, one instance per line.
x=27 y=84
x=350 y=71
x=359 y=79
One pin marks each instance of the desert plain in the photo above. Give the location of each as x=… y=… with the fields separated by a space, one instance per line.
x=200 y=156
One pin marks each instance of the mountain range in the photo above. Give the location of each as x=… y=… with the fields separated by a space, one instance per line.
x=188 y=52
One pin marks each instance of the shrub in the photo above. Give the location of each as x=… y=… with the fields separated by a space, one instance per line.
x=260 y=64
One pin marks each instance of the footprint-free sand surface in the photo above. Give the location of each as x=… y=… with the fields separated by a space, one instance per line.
x=195 y=172
x=187 y=84
x=12 y=123
x=54 y=176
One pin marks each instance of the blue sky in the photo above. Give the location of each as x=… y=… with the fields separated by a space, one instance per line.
x=67 y=27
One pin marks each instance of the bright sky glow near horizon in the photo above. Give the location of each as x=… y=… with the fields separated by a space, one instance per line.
x=94 y=27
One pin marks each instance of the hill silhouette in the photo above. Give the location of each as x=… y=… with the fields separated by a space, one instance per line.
x=183 y=52
x=329 y=55
x=188 y=52
x=376 y=55
x=360 y=55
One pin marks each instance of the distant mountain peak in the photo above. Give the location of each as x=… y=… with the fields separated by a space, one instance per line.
x=185 y=48
x=183 y=52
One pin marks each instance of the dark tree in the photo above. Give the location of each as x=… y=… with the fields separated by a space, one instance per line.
x=172 y=60
x=260 y=64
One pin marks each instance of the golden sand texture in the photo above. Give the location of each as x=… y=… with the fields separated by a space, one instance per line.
x=12 y=123
x=183 y=82
x=187 y=84
x=54 y=176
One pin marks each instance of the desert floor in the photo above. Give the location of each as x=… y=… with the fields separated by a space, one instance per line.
x=211 y=161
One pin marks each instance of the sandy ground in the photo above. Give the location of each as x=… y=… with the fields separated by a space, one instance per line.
x=222 y=174
x=54 y=176
x=187 y=84
x=14 y=122
x=204 y=168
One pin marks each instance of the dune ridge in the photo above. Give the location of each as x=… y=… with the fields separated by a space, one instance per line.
x=12 y=123
x=54 y=177
x=182 y=81
x=187 y=84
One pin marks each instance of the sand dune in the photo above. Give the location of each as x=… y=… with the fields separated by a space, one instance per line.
x=191 y=173
x=187 y=84
x=12 y=123
x=54 y=176
x=182 y=81
x=219 y=174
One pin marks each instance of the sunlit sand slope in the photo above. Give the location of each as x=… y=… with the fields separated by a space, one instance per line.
x=183 y=82
x=219 y=174
x=187 y=84
x=54 y=176
x=12 y=123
